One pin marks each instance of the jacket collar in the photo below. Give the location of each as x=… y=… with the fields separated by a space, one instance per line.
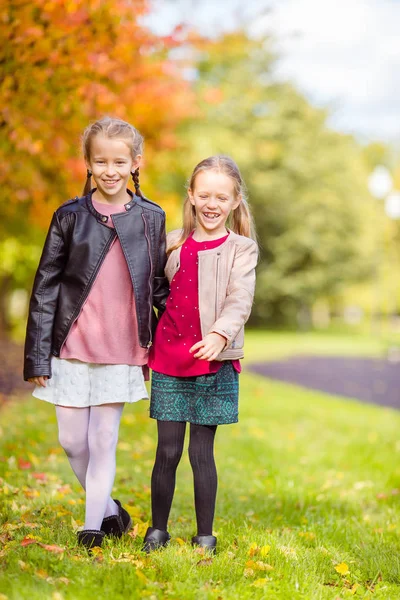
x=99 y=216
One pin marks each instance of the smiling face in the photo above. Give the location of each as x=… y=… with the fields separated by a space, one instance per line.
x=111 y=164
x=213 y=197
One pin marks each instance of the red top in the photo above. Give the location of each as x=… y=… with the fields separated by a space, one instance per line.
x=106 y=330
x=179 y=327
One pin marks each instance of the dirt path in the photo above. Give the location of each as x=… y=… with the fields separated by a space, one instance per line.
x=367 y=379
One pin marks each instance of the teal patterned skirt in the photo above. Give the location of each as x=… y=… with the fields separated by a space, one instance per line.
x=210 y=399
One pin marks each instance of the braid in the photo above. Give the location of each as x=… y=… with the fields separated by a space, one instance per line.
x=135 y=178
x=88 y=184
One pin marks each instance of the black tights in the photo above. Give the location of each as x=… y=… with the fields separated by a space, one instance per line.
x=171 y=436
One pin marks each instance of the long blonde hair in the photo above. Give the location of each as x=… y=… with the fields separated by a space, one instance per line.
x=240 y=220
x=113 y=128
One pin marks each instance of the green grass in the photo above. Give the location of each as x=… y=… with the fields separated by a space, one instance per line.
x=260 y=346
x=306 y=482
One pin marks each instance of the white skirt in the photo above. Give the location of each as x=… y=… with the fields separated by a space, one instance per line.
x=79 y=384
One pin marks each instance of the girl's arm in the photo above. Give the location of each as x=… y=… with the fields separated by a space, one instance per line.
x=43 y=304
x=240 y=293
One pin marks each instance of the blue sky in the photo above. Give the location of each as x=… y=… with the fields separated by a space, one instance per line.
x=343 y=54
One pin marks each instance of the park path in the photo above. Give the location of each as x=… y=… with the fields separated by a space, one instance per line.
x=368 y=379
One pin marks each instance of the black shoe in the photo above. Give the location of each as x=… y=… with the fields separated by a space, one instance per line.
x=116 y=525
x=90 y=538
x=209 y=542
x=155 y=539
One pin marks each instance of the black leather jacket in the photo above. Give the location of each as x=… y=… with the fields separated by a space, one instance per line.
x=76 y=244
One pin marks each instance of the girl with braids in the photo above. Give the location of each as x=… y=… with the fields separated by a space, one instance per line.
x=211 y=270
x=91 y=317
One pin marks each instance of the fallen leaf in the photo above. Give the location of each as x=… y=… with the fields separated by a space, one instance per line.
x=24 y=464
x=133 y=532
x=52 y=548
x=259 y=565
x=253 y=549
x=342 y=569
x=4 y=538
x=205 y=562
x=260 y=582
x=249 y=573
x=142 y=528
x=42 y=573
x=33 y=458
x=75 y=525
x=27 y=541
x=40 y=476
x=180 y=541
x=31 y=493
x=64 y=489
x=134 y=511
x=97 y=552
x=264 y=550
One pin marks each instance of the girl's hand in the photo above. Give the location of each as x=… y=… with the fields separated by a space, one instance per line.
x=209 y=347
x=39 y=380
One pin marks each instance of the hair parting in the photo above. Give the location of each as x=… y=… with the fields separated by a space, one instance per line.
x=240 y=220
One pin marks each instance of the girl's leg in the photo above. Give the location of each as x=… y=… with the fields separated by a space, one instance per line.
x=102 y=437
x=171 y=436
x=73 y=424
x=201 y=455
x=73 y=427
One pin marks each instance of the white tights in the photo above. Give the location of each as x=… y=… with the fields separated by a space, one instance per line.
x=89 y=437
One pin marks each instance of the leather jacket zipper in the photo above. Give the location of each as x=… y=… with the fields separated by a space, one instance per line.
x=150 y=280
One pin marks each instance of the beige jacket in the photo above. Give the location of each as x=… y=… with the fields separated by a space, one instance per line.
x=226 y=288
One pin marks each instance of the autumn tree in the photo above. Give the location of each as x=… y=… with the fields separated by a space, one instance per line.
x=307 y=184
x=64 y=63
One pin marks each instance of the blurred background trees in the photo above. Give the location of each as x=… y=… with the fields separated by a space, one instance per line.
x=64 y=64
x=323 y=237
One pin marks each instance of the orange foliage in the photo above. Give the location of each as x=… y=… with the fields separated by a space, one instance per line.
x=65 y=63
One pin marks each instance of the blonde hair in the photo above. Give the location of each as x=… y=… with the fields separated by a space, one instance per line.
x=240 y=220
x=113 y=128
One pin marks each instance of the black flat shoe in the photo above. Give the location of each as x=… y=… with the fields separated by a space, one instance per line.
x=155 y=539
x=208 y=542
x=90 y=538
x=117 y=525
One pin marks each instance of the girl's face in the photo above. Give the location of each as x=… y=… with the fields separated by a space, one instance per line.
x=213 y=197
x=111 y=164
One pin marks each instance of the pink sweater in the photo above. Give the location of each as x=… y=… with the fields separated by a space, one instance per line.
x=106 y=331
x=179 y=327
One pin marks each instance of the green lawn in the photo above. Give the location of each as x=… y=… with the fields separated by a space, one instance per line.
x=274 y=345
x=307 y=507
